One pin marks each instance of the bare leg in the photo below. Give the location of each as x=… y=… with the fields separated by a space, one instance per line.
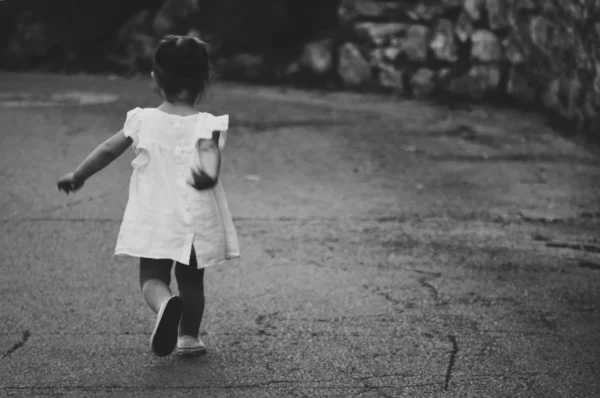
x=190 y=281
x=155 y=278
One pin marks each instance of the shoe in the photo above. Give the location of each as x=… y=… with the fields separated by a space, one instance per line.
x=164 y=337
x=190 y=346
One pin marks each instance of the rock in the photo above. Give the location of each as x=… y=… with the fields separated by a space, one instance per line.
x=573 y=90
x=490 y=75
x=422 y=83
x=317 y=57
x=527 y=5
x=443 y=74
x=378 y=33
x=520 y=88
x=350 y=10
x=415 y=44
x=550 y=95
x=464 y=27
x=443 y=44
x=579 y=121
x=443 y=77
x=377 y=57
x=591 y=114
x=539 y=28
x=480 y=80
x=391 y=53
x=390 y=77
x=427 y=11
x=353 y=68
x=485 y=46
x=594 y=96
x=290 y=70
x=474 y=9
x=497 y=14
x=423 y=12
x=512 y=50
x=384 y=55
x=565 y=98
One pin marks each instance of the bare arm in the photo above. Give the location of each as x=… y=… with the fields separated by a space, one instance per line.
x=100 y=157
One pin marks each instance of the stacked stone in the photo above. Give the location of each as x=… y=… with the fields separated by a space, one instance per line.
x=419 y=48
x=463 y=48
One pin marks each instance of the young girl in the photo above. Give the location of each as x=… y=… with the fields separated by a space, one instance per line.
x=177 y=211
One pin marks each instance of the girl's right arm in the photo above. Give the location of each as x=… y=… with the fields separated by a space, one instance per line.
x=100 y=157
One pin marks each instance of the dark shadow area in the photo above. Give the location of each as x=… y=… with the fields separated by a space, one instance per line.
x=516 y=157
x=575 y=246
x=589 y=265
x=120 y=36
x=260 y=126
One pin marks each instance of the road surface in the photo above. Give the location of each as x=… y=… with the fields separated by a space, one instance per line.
x=389 y=249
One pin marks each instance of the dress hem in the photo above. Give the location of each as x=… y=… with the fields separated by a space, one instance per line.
x=155 y=257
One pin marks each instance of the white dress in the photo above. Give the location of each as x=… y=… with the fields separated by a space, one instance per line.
x=165 y=216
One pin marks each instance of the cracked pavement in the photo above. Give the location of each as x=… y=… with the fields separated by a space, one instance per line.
x=390 y=249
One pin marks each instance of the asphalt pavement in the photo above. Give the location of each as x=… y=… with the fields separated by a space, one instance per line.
x=390 y=248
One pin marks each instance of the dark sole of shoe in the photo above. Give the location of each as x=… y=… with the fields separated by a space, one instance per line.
x=164 y=338
x=190 y=353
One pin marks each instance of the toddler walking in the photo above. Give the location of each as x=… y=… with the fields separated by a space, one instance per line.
x=177 y=212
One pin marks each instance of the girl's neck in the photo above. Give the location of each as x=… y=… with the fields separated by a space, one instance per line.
x=178 y=108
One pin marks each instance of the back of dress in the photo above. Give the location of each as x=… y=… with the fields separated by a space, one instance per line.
x=165 y=216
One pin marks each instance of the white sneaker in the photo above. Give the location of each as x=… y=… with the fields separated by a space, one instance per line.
x=190 y=346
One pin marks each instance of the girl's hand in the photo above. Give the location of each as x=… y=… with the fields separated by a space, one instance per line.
x=202 y=181
x=68 y=183
x=205 y=173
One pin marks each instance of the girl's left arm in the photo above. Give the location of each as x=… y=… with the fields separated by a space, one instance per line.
x=100 y=157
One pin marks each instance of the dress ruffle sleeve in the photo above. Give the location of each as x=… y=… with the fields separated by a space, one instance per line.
x=221 y=124
x=132 y=125
x=211 y=123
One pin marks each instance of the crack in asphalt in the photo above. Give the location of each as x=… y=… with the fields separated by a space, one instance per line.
x=451 y=361
x=500 y=375
x=378 y=391
x=404 y=374
x=432 y=289
x=575 y=246
x=388 y=297
x=368 y=388
x=430 y=273
x=18 y=344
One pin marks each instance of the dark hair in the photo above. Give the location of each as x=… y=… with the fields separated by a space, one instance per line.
x=181 y=63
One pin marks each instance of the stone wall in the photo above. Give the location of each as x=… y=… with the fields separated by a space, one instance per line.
x=540 y=53
x=534 y=52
